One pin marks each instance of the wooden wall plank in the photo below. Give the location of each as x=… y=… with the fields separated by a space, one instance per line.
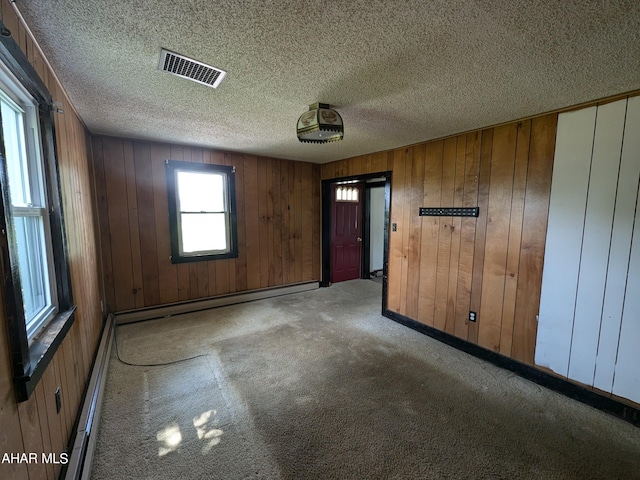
x=263 y=222
x=251 y=198
x=327 y=170
x=407 y=159
x=146 y=224
x=367 y=164
x=306 y=203
x=9 y=416
x=621 y=242
x=291 y=233
x=532 y=249
x=276 y=213
x=44 y=427
x=515 y=236
x=167 y=273
x=467 y=235
x=400 y=192
x=456 y=227
x=486 y=149
x=103 y=223
x=134 y=228
x=268 y=201
x=376 y=162
x=58 y=440
x=298 y=215
x=357 y=165
x=564 y=238
x=415 y=230
x=444 y=233
x=285 y=208
x=30 y=428
x=119 y=233
x=67 y=388
x=430 y=231
x=222 y=281
x=493 y=277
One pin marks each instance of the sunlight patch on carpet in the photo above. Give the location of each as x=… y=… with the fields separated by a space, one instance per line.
x=169 y=438
x=207 y=434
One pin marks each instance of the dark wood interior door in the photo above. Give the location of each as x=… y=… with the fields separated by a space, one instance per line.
x=346 y=231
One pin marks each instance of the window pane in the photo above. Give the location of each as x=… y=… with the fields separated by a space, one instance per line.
x=200 y=192
x=14 y=146
x=203 y=232
x=33 y=268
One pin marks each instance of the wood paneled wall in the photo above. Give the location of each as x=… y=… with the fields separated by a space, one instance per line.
x=440 y=268
x=278 y=212
x=34 y=426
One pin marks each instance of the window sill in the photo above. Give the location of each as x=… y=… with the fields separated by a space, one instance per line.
x=41 y=352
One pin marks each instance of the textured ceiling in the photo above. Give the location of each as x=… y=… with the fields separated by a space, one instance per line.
x=399 y=72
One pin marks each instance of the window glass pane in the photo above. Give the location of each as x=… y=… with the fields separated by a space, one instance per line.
x=200 y=192
x=14 y=146
x=33 y=267
x=203 y=232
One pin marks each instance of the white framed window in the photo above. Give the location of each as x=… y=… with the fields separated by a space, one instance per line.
x=202 y=211
x=28 y=199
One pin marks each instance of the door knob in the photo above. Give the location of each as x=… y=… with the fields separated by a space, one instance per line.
x=359 y=239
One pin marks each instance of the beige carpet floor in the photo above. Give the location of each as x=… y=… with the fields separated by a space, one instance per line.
x=318 y=385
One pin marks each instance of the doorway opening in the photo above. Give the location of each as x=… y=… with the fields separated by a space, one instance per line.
x=355 y=228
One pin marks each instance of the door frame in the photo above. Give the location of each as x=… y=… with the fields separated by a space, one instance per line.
x=366 y=226
x=325 y=262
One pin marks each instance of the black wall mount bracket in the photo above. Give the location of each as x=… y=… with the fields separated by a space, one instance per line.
x=450 y=212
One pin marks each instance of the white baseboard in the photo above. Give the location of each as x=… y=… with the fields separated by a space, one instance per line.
x=195 y=305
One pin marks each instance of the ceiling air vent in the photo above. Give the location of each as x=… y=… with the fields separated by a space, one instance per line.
x=191 y=69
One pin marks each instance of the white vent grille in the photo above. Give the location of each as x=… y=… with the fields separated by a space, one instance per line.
x=188 y=68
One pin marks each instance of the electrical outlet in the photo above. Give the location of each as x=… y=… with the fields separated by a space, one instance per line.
x=58 y=400
x=472 y=316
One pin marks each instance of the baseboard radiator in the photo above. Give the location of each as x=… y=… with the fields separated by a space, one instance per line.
x=80 y=460
x=179 y=308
